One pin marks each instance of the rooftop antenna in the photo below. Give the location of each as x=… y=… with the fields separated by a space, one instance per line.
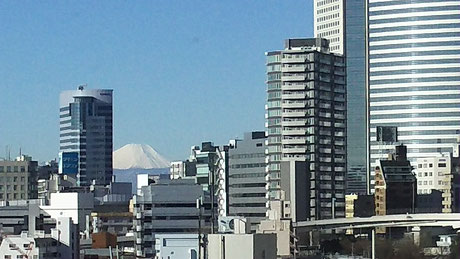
x=20 y=152
x=9 y=153
x=82 y=87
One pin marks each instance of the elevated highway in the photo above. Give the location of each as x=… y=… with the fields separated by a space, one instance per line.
x=399 y=220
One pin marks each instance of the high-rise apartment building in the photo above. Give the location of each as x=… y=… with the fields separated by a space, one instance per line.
x=414 y=75
x=343 y=23
x=86 y=140
x=246 y=178
x=306 y=113
x=18 y=179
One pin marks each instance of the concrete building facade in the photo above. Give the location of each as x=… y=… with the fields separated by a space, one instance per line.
x=306 y=123
x=395 y=185
x=242 y=246
x=169 y=206
x=177 y=246
x=18 y=179
x=86 y=138
x=62 y=242
x=330 y=23
x=435 y=173
x=246 y=178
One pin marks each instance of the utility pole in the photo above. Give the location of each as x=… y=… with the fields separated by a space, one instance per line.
x=373 y=243
x=199 y=203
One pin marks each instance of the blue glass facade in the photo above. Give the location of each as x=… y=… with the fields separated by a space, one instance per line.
x=355 y=51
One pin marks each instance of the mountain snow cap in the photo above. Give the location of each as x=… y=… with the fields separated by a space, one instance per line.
x=138 y=156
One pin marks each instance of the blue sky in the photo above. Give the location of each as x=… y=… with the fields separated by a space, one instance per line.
x=183 y=72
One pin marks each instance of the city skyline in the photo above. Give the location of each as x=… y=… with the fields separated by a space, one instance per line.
x=50 y=48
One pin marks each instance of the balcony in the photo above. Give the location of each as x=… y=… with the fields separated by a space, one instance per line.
x=294 y=59
x=294 y=114
x=295 y=132
x=294 y=141
x=300 y=77
x=294 y=123
x=300 y=68
x=296 y=86
x=293 y=96
x=294 y=150
x=294 y=105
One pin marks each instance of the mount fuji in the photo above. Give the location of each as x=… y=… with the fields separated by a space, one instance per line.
x=133 y=159
x=138 y=156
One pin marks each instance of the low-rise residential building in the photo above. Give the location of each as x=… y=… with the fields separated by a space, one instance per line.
x=62 y=242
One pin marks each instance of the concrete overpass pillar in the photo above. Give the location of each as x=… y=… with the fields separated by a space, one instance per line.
x=416 y=235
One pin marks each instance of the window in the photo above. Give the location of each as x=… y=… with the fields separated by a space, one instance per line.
x=23 y=169
x=8 y=169
x=431 y=173
x=1 y=169
x=16 y=169
x=431 y=165
x=442 y=165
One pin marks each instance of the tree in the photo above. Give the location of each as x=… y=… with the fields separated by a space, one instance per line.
x=406 y=249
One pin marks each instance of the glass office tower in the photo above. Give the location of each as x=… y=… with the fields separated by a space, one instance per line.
x=414 y=75
x=86 y=134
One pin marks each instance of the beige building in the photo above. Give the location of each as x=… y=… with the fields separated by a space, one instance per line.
x=242 y=246
x=350 y=205
x=18 y=179
x=434 y=173
x=282 y=227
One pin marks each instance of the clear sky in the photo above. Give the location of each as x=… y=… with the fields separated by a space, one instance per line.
x=183 y=72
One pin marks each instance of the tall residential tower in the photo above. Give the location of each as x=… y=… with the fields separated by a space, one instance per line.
x=306 y=113
x=343 y=23
x=86 y=144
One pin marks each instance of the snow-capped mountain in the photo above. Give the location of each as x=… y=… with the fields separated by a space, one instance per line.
x=138 y=156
